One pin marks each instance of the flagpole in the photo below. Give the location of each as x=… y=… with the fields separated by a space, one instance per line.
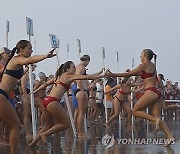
x=29 y=23
x=117 y=67
x=7 y=32
x=132 y=117
x=79 y=45
x=67 y=51
x=105 y=102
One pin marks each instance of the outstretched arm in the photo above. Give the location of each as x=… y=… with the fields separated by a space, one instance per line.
x=35 y=59
x=134 y=72
x=49 y=82
x=114 y=88
x=88 y=77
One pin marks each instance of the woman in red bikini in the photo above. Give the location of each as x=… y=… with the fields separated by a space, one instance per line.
x=39 y=96
x=92 y=101
x=147 y=70
x=121 y=100
x=56 y=117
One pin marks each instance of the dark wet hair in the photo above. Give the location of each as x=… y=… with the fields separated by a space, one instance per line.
x=110 y=81
x=67 y=65
x=85 y=58
x=22 y=44
x=125 y=79
x=63 y=68
x=150 y=55
x=59 y=71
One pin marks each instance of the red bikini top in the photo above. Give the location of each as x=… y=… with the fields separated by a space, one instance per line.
x=124 y=93
x=63 y=84
x=145 y=75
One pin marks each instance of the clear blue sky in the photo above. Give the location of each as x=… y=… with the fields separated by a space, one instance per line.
x=124 y=26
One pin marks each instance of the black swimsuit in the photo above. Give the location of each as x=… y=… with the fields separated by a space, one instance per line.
x=78 y=90
x=14 y=73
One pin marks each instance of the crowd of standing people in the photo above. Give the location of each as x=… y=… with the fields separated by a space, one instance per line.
x=87 y=94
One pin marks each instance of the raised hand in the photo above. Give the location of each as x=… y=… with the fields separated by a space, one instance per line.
x=108 y=73
x=50 y=54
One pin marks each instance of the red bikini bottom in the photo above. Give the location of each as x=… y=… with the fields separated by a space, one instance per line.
x=154 y=89
x=139 y=95
x=48 y=99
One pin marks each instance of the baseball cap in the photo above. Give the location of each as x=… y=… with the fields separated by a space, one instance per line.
x=4 y=49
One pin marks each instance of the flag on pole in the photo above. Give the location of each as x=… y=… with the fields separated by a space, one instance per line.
x=103 y=52
x=132 y=62
x=67 y=47
x=117 y=56
x=58 y=43
x=54 y=41
x=7 y=26
x=79 y=44
x=29 y=26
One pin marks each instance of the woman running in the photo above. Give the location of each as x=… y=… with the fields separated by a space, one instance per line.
x=121 y=100
x=147 y=70
x=92 y=101
x=56 y=117
x=12 y=73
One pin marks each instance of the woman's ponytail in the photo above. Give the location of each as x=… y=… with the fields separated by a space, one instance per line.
x=59 y=71
x=10 y=57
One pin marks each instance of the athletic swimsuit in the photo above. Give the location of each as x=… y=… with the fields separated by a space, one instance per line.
x=154 y=89
x=48 y=99
x=145 y=75
x=15 y=74
x=74 y=100
x=63 y=84
x=123 y=93
x=139 y=94
x=94 y=89
x=161 y=88
x=78 y=90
